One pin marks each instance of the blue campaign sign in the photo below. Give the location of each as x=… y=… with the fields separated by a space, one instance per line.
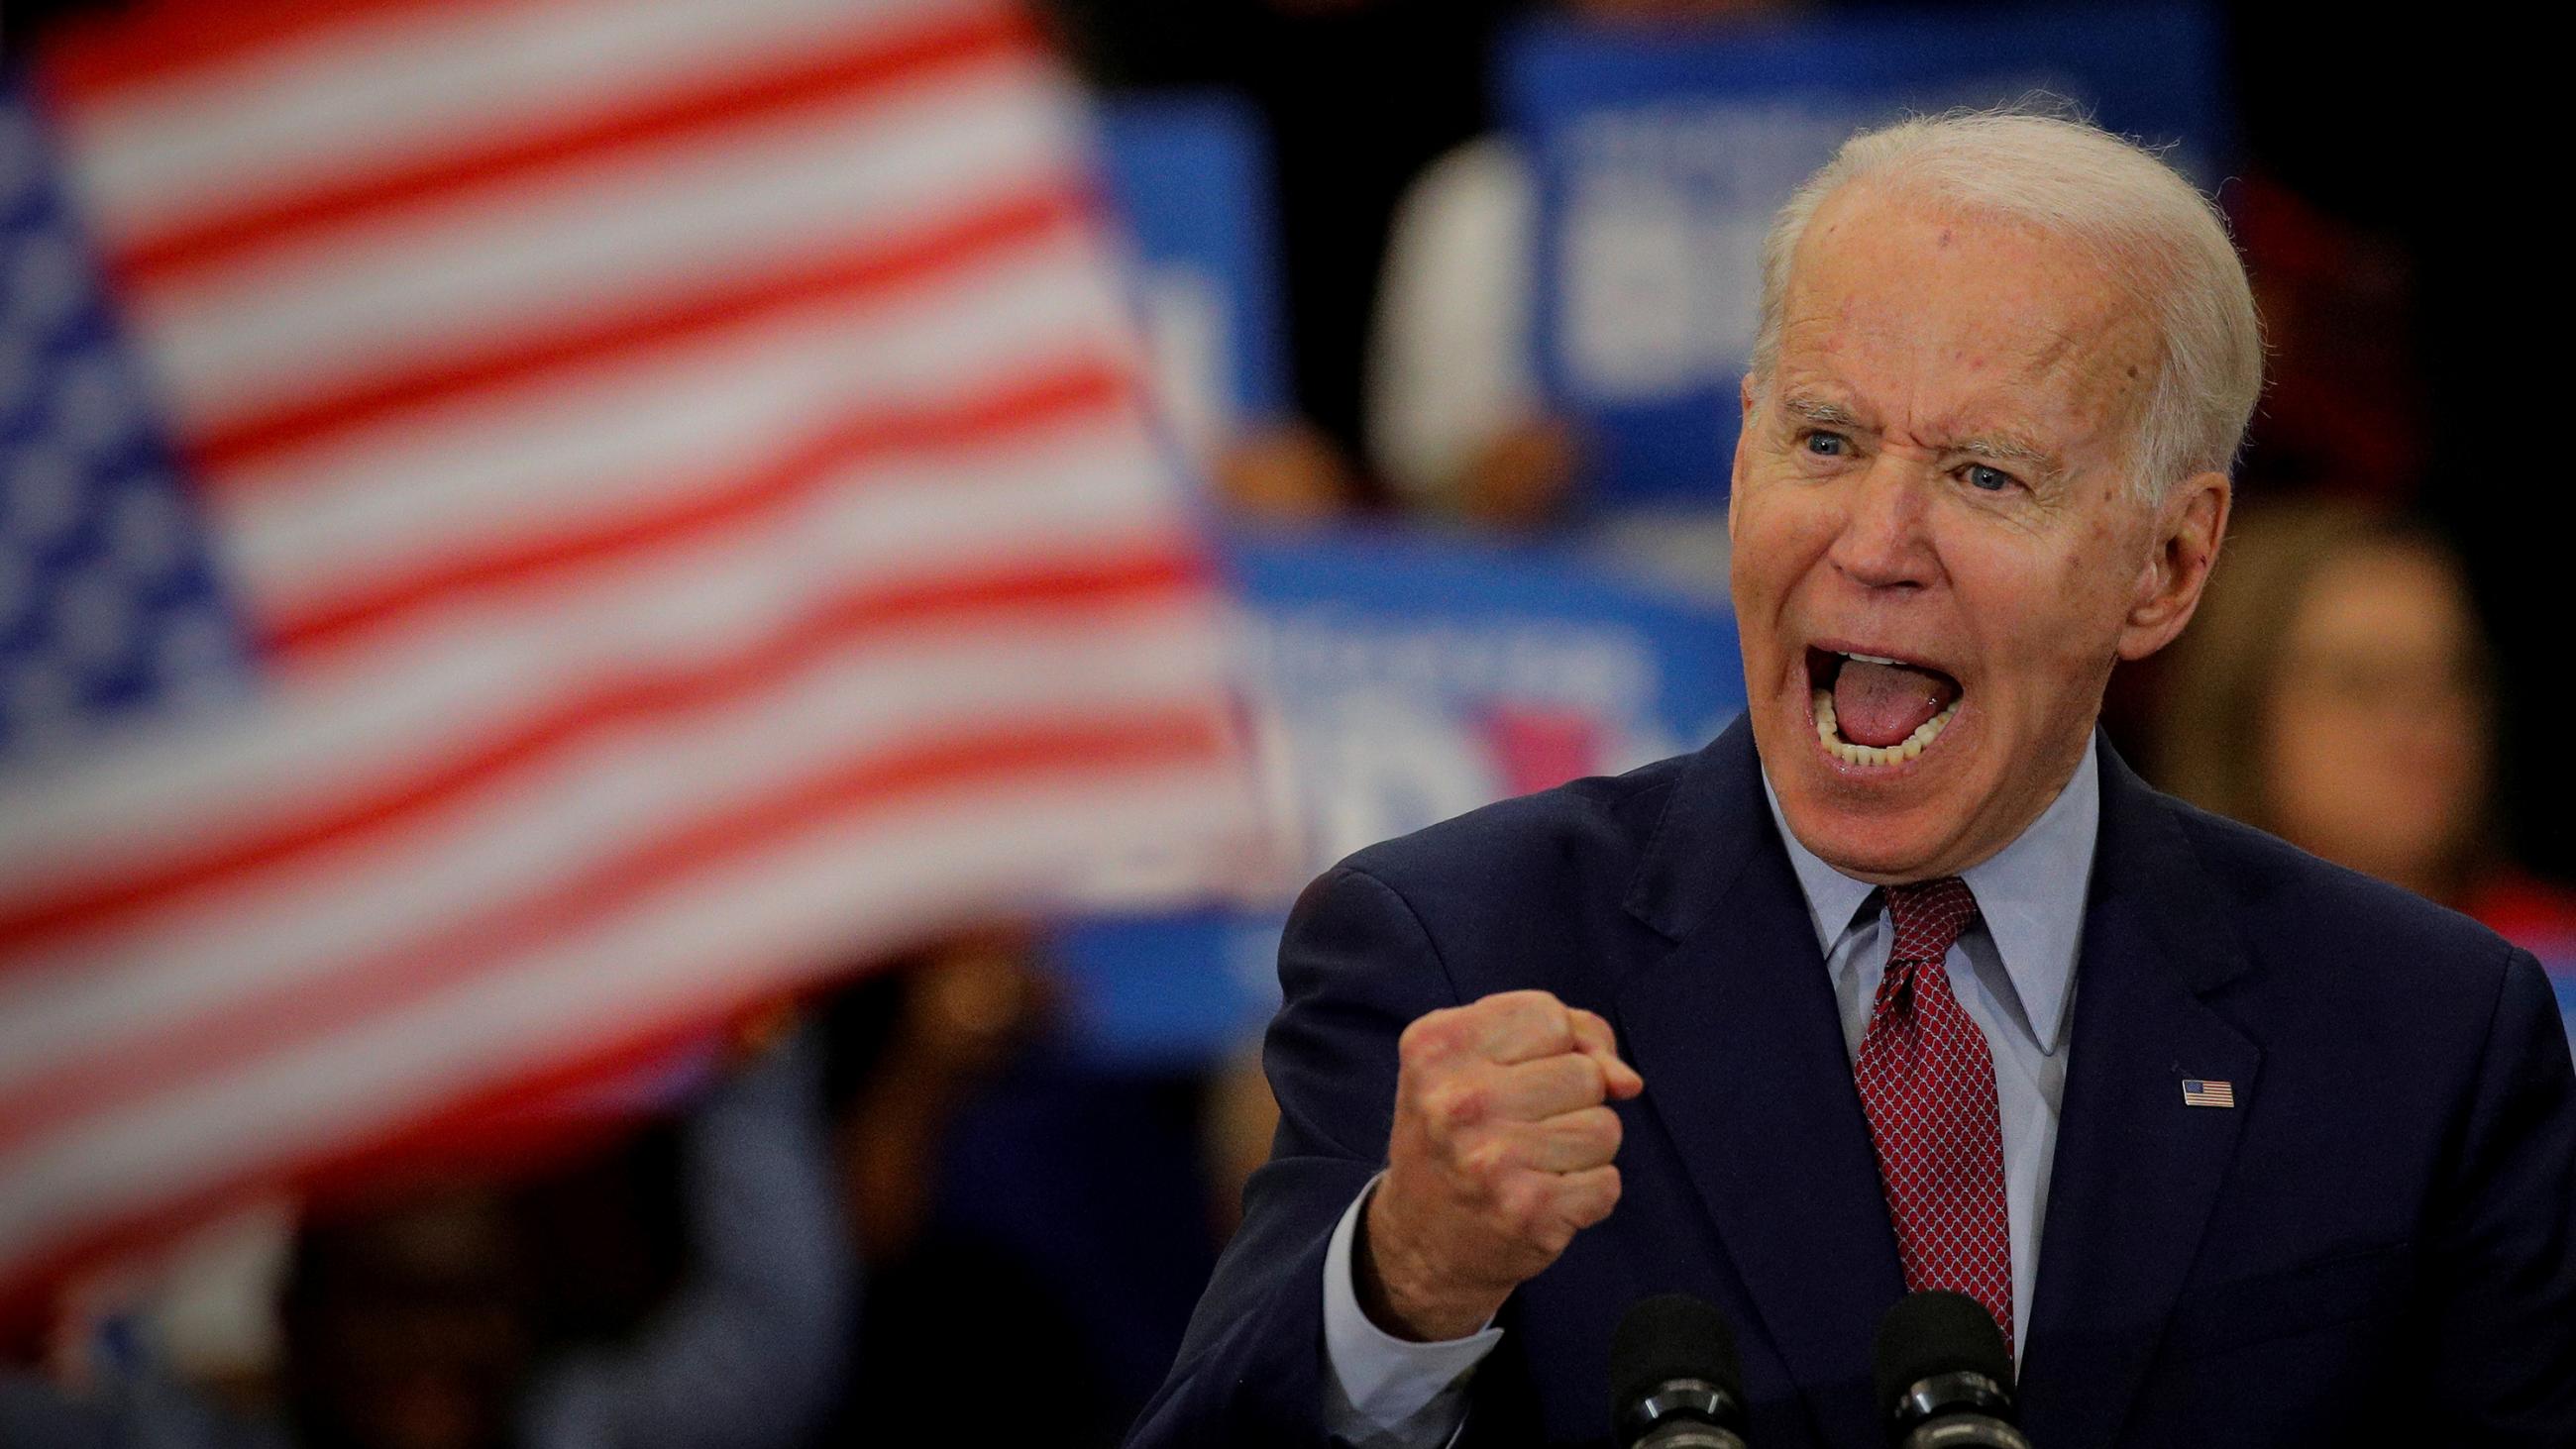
x=2557 y=956
x=2565 y=984
x=1189 y=176
x=1660 y=156
x=1397 y=680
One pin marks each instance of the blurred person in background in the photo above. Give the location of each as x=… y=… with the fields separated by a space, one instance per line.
x=412 y=1327
x=1356 y=96
x=2373 y=291
x=2339 y=691
x=1022 y=1210
x=1284 y=474
x=698 y=1285
x=456 y=1315
x=1455 y=422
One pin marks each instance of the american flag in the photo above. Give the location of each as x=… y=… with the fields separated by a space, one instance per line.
x=2198 y=1093
x=660 y=511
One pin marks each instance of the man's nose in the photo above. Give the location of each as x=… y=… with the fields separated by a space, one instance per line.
x=1884 y=541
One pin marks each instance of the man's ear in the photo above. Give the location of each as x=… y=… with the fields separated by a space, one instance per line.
x=1750 y=399
x=2189 y=527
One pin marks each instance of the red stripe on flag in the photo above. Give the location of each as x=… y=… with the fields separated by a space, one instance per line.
x=870 y=63
x=50 y=915
x=875 y=781
x=1019 y=405
x=344 y=1174
x=518 y=1130
x=963 y=241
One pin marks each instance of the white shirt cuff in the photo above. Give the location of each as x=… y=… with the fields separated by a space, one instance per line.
x=1381 y=1389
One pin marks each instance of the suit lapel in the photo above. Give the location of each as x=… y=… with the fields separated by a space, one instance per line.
x=2136 y=1171
x=1737 y=1035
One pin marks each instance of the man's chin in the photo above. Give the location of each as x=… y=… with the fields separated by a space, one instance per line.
x=1883 y=826
x=1883 y=848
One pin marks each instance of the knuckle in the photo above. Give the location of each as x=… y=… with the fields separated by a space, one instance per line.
x=1558 y=1231
x=1523 y=1206
x=1595 y=1131
x=1456 y=1104
x=1534 y=1013
x=1557 y=1025
x=1486 y=1163
x=1552 y=1087
x=1608 y=1196
x=1608 y=1130
x=1572 y=1083
x=1590 y=1083
x=1428 y=1038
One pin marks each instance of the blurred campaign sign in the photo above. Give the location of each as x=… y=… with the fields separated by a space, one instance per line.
x=1398 y=680
x=2562 y=979
x=666 y=515
x=1189 y=176
x=2539 y=920
x=1661 y=154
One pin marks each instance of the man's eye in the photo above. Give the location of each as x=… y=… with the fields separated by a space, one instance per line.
x=1989 y=480
x=1827 y=445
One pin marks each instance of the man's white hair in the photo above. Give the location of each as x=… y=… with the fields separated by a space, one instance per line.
x=2135 y=215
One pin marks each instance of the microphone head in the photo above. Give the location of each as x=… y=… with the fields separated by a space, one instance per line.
x=1935 y=1334
x=1667 y=1338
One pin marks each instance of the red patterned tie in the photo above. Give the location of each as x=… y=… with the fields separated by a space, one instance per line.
x=1927 y=1082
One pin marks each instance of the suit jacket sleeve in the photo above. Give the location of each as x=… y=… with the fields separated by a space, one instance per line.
x=2501 y=1268
x=1355 y=967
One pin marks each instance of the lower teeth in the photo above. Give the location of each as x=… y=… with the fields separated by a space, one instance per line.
x=1903 y=750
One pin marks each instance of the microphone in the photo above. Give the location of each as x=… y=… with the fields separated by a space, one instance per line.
x=1675 y=1380
x=1944 y=1376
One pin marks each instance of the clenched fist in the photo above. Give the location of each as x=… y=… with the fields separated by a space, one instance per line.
x=1499 y=1155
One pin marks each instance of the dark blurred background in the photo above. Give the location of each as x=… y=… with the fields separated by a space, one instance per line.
x=2383 y=194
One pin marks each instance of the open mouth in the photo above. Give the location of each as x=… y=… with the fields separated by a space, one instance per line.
x=1874 y=710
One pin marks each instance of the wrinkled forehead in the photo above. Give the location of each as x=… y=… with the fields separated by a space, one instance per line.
x=1950 y=317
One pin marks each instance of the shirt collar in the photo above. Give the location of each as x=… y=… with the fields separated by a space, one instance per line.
x=2030 y=895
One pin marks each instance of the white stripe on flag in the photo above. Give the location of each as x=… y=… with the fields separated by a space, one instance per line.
x=272 y=930
x=538 y=459
x=356 y=98
x=755 y=918
x=554 y=251
x=281 y=753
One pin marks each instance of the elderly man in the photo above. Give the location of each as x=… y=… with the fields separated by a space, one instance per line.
x=1921 y=987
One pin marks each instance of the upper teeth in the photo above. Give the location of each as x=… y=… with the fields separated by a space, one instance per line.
x=1874 y=659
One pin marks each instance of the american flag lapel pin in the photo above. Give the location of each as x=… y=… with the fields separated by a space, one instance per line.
x=2199 y=1093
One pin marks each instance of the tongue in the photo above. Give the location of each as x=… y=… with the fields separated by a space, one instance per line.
x=1880 y=704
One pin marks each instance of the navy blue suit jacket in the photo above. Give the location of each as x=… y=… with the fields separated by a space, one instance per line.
x=2380 y=1236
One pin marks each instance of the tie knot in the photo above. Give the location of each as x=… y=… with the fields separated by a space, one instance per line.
x=1928 y=917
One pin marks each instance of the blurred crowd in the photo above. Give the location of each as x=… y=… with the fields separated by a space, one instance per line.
x=908 y=1207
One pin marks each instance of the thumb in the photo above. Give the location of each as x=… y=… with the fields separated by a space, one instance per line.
x=1593 y=1037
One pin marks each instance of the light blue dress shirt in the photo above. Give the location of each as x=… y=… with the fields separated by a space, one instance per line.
x=2014 y=974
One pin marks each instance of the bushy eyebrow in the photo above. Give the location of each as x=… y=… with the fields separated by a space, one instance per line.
x=1819 y=411
x=2006 y=448
x=1996 y=446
